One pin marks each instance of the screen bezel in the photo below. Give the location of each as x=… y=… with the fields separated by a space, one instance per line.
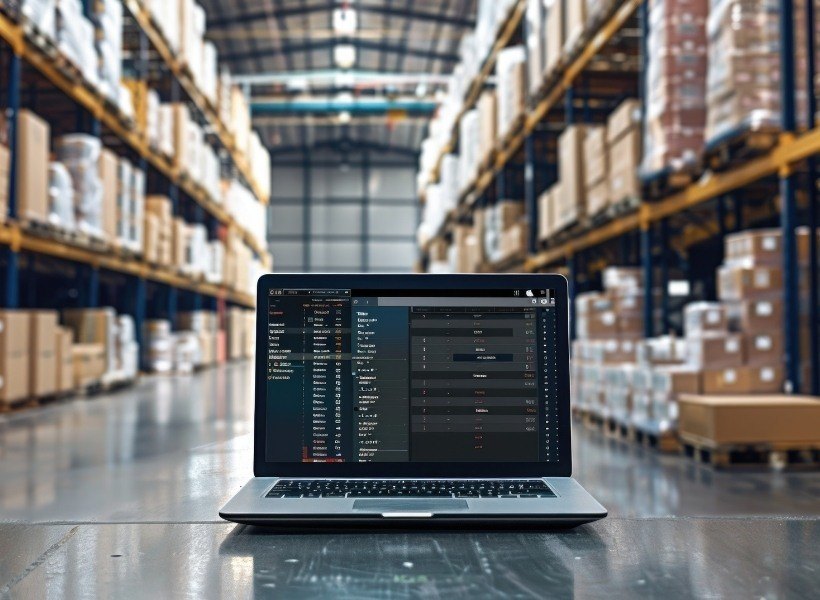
x=563 y=468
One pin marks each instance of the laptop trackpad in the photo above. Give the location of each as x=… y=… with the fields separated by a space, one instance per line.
x=403 y=505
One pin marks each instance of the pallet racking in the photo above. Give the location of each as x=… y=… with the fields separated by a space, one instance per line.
x=605 y=68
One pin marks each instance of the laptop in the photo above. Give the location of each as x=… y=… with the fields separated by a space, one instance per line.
x=412 y=400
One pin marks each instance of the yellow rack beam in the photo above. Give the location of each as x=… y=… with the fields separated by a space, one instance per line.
x=505 y=33
x=783 y=158
x=19 y=240
x=95 y=104
x=143 y=18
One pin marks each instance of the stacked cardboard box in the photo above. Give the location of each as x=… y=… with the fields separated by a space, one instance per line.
x=570 y=196
x=555 y=35
x=15 y=360
x=65 y=360
x=488 y=122
x=205 y=326
x=159 y=232
x=596 y=169
x=467 y=249
x=241 y=333
x=546 y=213
x=511 y=91
x=43 y=353
x=33 y=141
x=89 y=364
x=624 y=140
x=576 y=20
x=744 y=66
x=676 y=84
x=158 y=346
x=98 y=326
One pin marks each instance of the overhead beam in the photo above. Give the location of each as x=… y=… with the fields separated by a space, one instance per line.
x=295 y=11
x=346 y=145
x=311 y=45
x=360 y=106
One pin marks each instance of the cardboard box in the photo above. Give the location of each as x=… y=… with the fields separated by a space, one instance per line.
x=554 y=32
x=14 y=356
x=571 y=204
x=705 y=317
x=624 y=162
x=109 y=176
x=744 y=380
x=65 y=359
x=749 y=283
x=43 y=349
x=576 y=20
x=89 y=364
x=596 y=156
x=33 y=141
x=764 y=348
x=756 y=316
x=626 y=118
x=716 y=350
x=673 y=381
x=95 y=326
x=749 y=420
x=488 y=121
x=764 y=247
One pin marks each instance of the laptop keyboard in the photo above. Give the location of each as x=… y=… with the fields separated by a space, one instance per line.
x=437 y=488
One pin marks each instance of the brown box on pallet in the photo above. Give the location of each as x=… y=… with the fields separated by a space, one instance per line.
x=571 y=204
x=488 y=122
x=546 y=206
x=626 y=118
x=14 y=356
x=514 y=240
x=576 y=20
x=744 y=380
x=598 y=198
x=596 y=157
x=749 y=283
x=33 y=141
x=182 y=121
x=65 y=359
x=207 y=348
x=756 y=316
x=152 y=238
x=764 y=348
x=764 y=247
x=89 y=364
x=94 y=326
x=624 y=161
x=109 y=176
x=554 y=32
x=181 y=237
x=749 y=420
x=675 y=380
x=705 y=317
x=716 y=350
x=509 y=214
x=43 y=348
x=598 y=325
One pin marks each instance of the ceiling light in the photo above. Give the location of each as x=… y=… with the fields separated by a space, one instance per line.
x=345 y=117
x=344 y=55
x=345 y=21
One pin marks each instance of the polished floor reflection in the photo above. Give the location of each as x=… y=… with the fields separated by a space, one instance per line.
x=118 y=496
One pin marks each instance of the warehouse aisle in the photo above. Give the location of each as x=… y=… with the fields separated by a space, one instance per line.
x=174 y=449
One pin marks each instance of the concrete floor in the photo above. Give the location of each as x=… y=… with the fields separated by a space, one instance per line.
x=118 y=496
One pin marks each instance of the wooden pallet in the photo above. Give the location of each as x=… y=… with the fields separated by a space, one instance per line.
x=753 y=456
x=31 y=403
x=740 y=145
x=70 y=237
x=667 y=181
x=665 y=442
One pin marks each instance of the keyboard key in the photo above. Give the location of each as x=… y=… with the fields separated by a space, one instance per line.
x=359 y=488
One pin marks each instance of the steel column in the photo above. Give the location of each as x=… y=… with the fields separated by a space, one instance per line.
x=789 y=203
x=737 y=207
x=171 y=309
x=814 y=275
x=530 y=201
x=11 y=295
x=93 y=291
x=664 y=266
x=647 y=265
x=138 y=295
x=306 y=210
x=572 y=281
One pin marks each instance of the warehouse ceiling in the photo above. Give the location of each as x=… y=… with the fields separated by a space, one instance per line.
x=345 y=75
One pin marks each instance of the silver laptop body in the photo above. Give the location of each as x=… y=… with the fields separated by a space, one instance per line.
x=394 y=400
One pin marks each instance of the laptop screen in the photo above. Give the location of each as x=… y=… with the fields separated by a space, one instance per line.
x=398 y=376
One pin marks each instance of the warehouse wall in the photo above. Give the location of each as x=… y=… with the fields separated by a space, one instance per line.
x=332 y=213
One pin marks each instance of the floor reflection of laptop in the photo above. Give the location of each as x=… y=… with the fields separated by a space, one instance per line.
x=399 y=399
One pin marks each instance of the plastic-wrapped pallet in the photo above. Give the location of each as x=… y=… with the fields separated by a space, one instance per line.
x=245 y=209
x=158 y=346
x=81 y=154
x=210 y=74
x=676 y=84
x=744 y=66
x=60 y=196
x=75 y=39
x=511 y=93
x=124 y=195
x=187 y=352
x=535 y=44
x=108 y=19
x=42 y=14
